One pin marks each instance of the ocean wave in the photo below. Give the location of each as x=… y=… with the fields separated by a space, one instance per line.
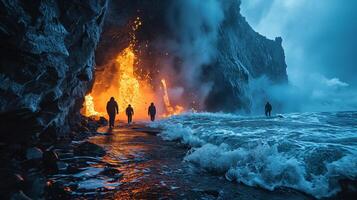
x=179 y=132
x=276 y=157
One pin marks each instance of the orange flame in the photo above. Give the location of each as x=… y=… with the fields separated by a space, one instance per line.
x=132 y=90
x=121 y=82
x=126 y=88
x=89 y=106
x=170 y=110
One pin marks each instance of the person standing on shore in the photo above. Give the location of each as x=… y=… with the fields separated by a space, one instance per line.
x=129 y=113
x=152 y=111
x=112 y=110
x=268 y=109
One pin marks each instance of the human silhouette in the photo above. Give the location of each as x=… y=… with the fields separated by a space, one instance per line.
x=268 y=109
x=129 y=112
x=112 y=110
x=152 y=111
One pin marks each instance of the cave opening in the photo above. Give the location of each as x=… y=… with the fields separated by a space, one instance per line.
x=131 y=80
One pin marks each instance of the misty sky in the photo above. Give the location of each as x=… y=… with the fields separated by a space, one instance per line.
x=319 y=35
x=319 y=39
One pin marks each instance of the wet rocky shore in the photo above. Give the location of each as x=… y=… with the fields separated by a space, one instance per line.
x=133 y=163
x=127 y=162
x=26 y=166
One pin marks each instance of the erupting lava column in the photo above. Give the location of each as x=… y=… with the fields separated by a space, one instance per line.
x=119 y=80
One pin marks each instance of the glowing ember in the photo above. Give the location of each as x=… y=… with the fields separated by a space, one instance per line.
x=128 y=84
x=124 y=86
x=170 y=110
x=89 y=106
x=120 y=80
x=132 y=90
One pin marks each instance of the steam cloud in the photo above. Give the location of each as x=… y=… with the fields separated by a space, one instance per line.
x=320 y=61
x=194 y=26
x=319 y=42
x=316 y=94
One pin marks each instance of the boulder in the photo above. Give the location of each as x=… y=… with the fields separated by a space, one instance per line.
x=34 y=153
x=62 y=166
x=89 y=149
x=35 y=184
x=102 y=121
x=92 y=125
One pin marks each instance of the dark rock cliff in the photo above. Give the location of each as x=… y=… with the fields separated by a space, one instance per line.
x=46 y=63
x=47 y=57
x=243 y=54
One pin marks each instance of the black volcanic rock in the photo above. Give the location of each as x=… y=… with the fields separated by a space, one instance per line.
x=34 y=153
x=243 y=54
x=89 y=149
x=46 y=64
x=47 y=60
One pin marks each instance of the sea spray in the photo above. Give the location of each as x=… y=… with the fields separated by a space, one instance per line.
x=309 y=152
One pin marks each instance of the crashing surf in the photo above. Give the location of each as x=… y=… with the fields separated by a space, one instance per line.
x=309 y=152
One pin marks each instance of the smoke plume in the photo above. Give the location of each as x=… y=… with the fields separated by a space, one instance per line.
x=320 y=45
x=191 y=44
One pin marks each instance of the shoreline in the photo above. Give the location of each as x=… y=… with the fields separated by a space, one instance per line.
x=138 y=164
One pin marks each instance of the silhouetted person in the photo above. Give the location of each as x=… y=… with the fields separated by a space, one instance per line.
x=112 y=110
x=129 y=112
x=268 y=109
x=152 y=111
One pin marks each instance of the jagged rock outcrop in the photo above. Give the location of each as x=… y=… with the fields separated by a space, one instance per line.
x=243 y=54
x=47 y=58
x=46 y=63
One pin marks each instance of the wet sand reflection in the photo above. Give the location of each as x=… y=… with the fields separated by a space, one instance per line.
x=143 y=162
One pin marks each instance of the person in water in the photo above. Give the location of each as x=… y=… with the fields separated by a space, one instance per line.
x=268 y=109
x=129 y=113
x=152 y=111
x=112 y=110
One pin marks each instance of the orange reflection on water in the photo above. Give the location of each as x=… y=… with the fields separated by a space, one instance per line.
x=130 y=152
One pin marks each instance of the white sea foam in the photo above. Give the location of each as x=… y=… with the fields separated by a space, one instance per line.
x=297 y=151
x=179 y=132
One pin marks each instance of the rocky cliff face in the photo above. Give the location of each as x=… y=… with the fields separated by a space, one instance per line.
x=243 y=55
x=198 y=45
x=46 y=63
x=47 y=55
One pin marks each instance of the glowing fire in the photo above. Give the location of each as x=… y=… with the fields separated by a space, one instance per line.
x=120 y=81
x=131 y=90
x=170 y=110
x=128 y=89
x=89 y=106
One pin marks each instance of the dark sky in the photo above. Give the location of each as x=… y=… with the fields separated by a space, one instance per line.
x=319 y=38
